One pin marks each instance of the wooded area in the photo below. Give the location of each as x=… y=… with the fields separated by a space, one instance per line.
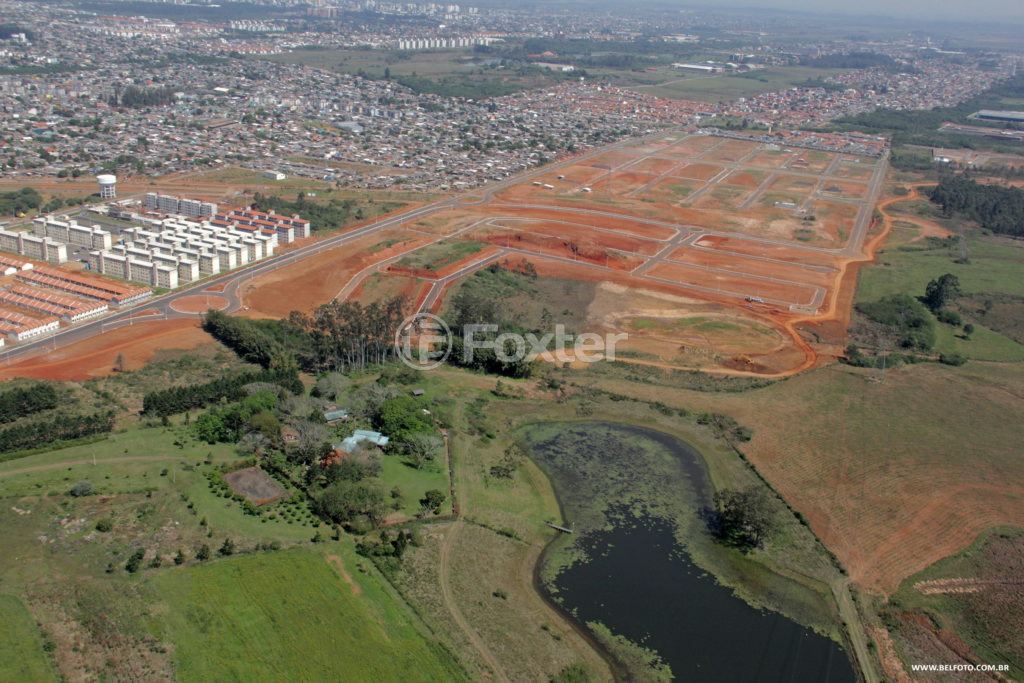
x=995 y=207
x=179 y=399
x=58 y=428
x=21 y=402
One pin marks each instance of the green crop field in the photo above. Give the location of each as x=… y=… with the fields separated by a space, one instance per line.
x=290 y=616
x=22 y=658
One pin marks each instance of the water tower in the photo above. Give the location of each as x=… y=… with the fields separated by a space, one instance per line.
x=108 y=186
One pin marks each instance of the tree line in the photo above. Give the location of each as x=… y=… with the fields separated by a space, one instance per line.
x=179 y=399
x=57 y=428
x=257 y=341
x=21 y=402
x=338 y=336
x=347 y=336
x=323 y=216
x=135 y=97
x=995 y=207
x=20 y=201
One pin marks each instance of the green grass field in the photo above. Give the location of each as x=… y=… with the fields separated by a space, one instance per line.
x=414 y=483
x=437 y=256
x=291 y=616
x=683 y=86
x=22 y=658
x=993 y=269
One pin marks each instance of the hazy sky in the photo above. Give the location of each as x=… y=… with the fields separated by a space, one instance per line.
x=978 y=10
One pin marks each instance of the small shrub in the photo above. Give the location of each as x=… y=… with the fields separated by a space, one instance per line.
x=82 y=488
x=135 y=561
x=499 y=593
x=950 y=317
x=204 y=553
x=954 y=359
x=105 y=525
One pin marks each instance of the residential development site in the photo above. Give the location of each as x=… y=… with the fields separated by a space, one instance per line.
x=385 y=341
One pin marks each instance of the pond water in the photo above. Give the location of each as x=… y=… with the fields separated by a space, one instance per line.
x=641 y=584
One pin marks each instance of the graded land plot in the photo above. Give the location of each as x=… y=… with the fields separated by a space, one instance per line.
x=613 y=160
x=226 y=620
x=721 y=196
x=731 y=152
x=834 y=220
x=725 y=334
x=812 y=160
x=691 y=146
x=622 y=183
x=745 y=178
x=574 y=247
x=698 y=171
x=96 y=356
x=567 y=232
x=381 y=286
x=606 y=220
x=795 y=188
x=444 y=223
x=318 y=279
x=848 y=190
x=673 y=190
x=676 y=328
x=734 y=283
x=790 y=272
x=754 y=248
x=771 y=223
x=655 y=165
x=769 y=158
x=22 y=657
x=887 y=480
x=853 y=171
x=577 y=175
x=654 y=146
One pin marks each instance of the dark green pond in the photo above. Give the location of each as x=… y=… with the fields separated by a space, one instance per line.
x=640 y=583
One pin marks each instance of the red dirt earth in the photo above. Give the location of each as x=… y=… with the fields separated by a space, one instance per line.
x=199 y=303
x=94 y=357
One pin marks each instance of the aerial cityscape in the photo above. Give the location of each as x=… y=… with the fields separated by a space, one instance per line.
x=388 y=341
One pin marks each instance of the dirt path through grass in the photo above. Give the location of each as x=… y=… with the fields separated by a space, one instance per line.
x=449 y=601
x=69 y=463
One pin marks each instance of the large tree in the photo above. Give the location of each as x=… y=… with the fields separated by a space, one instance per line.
x=940 y=292
x=746 y=516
